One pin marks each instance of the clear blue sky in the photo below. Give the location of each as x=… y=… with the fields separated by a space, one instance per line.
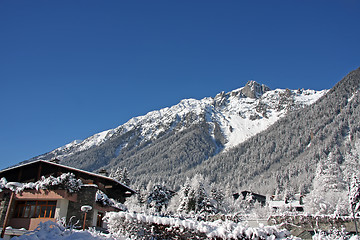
x=72 y=68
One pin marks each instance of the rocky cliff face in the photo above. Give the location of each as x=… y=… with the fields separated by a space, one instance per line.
x=253 y=89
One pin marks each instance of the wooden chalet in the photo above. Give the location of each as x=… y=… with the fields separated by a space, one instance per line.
x=26 y=209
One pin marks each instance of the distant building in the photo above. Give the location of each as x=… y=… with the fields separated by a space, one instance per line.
x=295 y=204
x=252 y=197
x=27 y=208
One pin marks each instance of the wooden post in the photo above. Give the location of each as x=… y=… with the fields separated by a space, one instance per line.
x=7 y=214
x=39 y=172
x=84 y=221
x=85 y=209
x=353 y=213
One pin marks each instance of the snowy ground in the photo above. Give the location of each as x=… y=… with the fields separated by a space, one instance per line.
x=53 y=231
x=225 y=230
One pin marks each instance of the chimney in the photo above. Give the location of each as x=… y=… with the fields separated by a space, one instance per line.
x=55 y=160
x=103 y=172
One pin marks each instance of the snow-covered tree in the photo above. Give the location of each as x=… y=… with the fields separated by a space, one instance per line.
x=121 y=175
x=125 y=177
x=329 y=194
x=228 y=202
x=351 y=165
x=289 y=194
x=183 y=197
x=136 y=203
x=194 y=197
x=115 y=173
x=246 y=204
x=203 y=202
x=159 y=197
x=218 y=195
x=329 y=176
x=354 y=194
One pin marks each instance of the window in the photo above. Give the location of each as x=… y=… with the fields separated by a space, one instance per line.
x=35 y=209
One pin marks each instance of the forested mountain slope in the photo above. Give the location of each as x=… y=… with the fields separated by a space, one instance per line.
x=166 y=145
x=286 y=153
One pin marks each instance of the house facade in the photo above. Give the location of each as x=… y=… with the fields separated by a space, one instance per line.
x=43 y=191
x=293 y=204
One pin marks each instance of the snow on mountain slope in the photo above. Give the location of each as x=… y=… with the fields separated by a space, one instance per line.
x=242 y=118
x=240 y=114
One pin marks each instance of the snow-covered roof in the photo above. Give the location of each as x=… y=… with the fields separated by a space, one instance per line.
x=72 y=169
x=283 y=204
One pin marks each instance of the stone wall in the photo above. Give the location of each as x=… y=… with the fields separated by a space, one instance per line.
x=86 y=196
x=4 y=203
x=298 y=224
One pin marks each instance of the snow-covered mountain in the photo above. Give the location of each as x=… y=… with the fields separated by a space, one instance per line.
x=232 y=118
x=286 y=154
x=252 y=138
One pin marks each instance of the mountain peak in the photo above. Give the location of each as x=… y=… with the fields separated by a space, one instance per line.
x=253 y=89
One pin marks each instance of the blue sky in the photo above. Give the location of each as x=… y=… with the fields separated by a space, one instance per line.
x=72 y=68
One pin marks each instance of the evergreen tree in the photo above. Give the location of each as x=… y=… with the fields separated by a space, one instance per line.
x=125 y=177
x=203 y=202
x=329 y=176
x=218 y=196
x=159 y=197
x=116 y=174
x=351 y=164
x=354 y=194
x=121 y=175
x=112 y=173
x=289 y=194
x=194 y=197
x=184 y=204
x=149 y=186
x=329 y=190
